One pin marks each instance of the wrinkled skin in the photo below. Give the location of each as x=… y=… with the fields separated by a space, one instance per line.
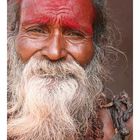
x=52 y=29
x=60 y=30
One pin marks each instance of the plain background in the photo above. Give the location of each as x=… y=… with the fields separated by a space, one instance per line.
x=122 y=15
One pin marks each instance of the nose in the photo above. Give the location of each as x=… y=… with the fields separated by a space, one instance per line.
x=55 y=48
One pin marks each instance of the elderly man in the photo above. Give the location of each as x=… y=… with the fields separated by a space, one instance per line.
x=58 y=59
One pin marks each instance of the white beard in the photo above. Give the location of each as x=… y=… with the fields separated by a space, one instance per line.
x=53 y=102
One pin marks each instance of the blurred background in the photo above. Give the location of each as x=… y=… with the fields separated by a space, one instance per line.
x=122 y=15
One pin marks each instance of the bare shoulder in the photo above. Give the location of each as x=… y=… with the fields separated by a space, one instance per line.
x=119 y=123
x=109 y=129
x=116 y=115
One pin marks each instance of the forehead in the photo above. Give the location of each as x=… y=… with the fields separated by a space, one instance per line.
x=80 y=11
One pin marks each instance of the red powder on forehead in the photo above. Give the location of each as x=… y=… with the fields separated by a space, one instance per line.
x=76 y=14
x=64 y=22
x=74 y=25
x=40 y=20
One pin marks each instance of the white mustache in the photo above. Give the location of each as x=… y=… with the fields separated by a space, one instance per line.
x=61 y=69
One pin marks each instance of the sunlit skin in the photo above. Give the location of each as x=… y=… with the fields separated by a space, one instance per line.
x=56 y=30
x=59 y=31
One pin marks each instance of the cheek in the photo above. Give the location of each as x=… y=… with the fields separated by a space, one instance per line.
x=26 y=48
x=82 y=53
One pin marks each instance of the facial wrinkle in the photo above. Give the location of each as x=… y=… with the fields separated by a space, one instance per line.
x=60 y=11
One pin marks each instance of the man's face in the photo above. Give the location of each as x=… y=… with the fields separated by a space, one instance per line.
x=56 y=30
x=53 y=96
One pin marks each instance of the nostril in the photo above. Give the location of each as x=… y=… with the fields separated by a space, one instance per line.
x=57 y=60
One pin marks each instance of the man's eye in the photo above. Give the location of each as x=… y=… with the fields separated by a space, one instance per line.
x=36 y=30
x=74 y=34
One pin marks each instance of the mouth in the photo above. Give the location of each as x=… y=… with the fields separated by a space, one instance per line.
x=57 y=77
x=53 y=81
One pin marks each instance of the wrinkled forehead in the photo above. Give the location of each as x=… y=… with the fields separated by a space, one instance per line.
x=73 y=4
x=75 y=9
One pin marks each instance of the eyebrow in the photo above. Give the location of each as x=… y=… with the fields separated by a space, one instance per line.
x=69 y=23
x=74 y=25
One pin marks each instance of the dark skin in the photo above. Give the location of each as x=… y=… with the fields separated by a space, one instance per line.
x=56 y=33
x=108 y=129
x=59 y=30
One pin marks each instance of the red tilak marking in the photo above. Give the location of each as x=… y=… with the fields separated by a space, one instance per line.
x=64 y=22
x=71 y=24
x=74 y=25
x=41 y=20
